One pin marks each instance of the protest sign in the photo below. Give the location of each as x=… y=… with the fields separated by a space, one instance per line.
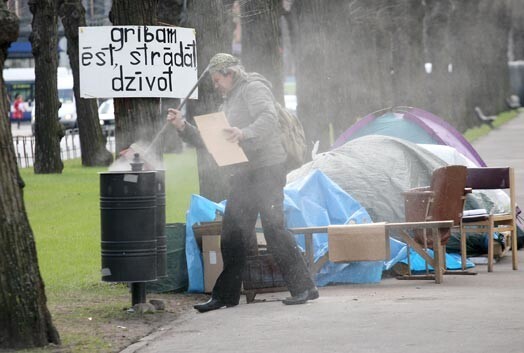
x=137 y=61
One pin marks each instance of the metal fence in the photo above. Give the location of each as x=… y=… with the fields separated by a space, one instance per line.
x=69 y=148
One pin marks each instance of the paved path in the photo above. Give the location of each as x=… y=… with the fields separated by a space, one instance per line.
x=24 y=130
x=505 y=147
x=465 y=314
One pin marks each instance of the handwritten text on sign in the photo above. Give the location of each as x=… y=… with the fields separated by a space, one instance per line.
x=137 y=61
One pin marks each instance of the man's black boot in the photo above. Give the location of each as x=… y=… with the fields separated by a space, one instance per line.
x=301 y=298
x=211 y=304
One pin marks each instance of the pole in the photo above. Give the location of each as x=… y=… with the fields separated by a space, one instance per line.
x=180 y=106
x=138 y=293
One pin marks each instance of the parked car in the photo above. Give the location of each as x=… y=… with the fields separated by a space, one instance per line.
x=106 y=114
x=67 y=110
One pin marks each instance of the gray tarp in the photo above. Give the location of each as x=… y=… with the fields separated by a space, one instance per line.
x=375 y=170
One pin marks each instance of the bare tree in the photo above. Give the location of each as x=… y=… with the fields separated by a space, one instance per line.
x=479 y=47
x=311 y=63
x=25 y=320
x=92 y=140
x=405 y=25
x=171 y=13
x=136 y=119
x=517 y=23
x=437 y=52
x=47 y=128
x=214 y=34
x=261 y=41
x=360 y=58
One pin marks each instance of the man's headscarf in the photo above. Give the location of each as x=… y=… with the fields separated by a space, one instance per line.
x=222 y=61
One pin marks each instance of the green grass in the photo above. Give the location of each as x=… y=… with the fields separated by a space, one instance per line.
x=290 y=88
x=482 y=130
x=64 y=213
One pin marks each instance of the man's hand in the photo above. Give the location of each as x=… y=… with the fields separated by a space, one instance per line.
x=175 y=117
x=234 y=134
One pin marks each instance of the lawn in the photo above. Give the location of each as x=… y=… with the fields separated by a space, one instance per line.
x=483 y=129
x=64 y=213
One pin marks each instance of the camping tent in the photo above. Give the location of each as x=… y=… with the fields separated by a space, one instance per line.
x=411 y=124
x=375 y=170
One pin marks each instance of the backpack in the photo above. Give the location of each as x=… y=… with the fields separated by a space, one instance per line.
x=292 y=136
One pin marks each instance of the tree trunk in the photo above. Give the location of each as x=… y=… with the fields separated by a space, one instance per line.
x=261 y=42
x=440 y=99
x=214 y=35
x=480 y=69
x=171 y=13
x=136 y=119
x=495 y=22
x=405 y=26
x=360 y=60
x=517 y=30
x=47 y=128
x=92 y=140
x=25 y=320
x=311 y=63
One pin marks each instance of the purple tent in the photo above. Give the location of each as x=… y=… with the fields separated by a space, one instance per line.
x=412 y=124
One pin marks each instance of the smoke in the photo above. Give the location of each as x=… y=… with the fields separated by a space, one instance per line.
x=151 y=162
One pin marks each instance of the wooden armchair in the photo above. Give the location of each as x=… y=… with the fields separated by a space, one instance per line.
x=485 y=179
x=442 y=200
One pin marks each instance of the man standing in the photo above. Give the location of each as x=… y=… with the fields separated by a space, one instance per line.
x=256 y=186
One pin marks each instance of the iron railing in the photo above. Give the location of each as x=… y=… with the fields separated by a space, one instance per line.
x=69 y=148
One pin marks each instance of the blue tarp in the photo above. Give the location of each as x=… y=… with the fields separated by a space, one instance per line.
x=200 y=210
x=314 y=200
x=399 y=254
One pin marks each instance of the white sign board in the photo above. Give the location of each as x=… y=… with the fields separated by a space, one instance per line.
x=137 y=61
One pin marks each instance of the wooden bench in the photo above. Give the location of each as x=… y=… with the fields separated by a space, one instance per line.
x=402 y=229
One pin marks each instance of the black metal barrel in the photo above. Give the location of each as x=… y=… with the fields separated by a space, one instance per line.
x=128 y=231
x=160 y=224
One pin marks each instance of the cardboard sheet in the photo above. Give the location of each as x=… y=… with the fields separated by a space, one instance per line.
x=211 y=127
x=213 y=263
x=358 y=242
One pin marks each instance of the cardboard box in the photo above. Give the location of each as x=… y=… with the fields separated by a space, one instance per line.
x=213 y=264
x=358 y=242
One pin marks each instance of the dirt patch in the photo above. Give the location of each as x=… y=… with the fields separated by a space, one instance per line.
x=105 y=325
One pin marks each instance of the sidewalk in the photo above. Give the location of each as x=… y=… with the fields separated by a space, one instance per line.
x=24 y=130
x=464 y=314
x=504 y=146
